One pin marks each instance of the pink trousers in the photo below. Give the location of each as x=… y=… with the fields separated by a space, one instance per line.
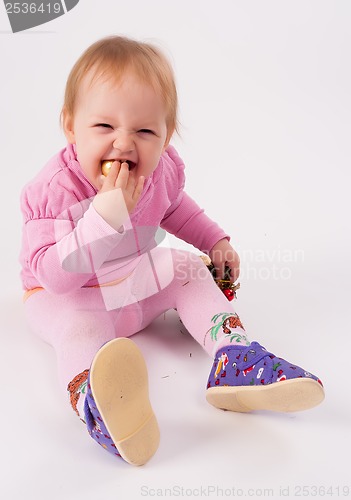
x=79 y=323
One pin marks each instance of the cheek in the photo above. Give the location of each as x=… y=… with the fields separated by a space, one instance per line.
x=89 y=164
x=155 y=149
x=88 y=154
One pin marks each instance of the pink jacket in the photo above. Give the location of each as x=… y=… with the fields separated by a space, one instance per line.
x=67 y=245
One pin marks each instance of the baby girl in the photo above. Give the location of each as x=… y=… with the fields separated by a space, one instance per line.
x=94 y=274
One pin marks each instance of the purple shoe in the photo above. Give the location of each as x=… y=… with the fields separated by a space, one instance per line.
x=250 y=378
x=117 y=410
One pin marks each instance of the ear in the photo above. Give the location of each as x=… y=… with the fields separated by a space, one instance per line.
x=68 y=126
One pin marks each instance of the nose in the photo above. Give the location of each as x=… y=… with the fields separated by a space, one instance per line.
x=124 y=142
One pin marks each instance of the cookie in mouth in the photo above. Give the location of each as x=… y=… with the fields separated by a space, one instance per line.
x=107 y=164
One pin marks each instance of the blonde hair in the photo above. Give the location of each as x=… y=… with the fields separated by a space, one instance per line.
x=110 y=58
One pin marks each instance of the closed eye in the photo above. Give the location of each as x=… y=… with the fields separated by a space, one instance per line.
x=103 y=125
x=146 y=131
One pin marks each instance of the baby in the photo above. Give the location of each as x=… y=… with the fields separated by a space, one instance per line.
x=94 y=273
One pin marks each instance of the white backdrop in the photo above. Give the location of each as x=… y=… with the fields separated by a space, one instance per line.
x=264 y=88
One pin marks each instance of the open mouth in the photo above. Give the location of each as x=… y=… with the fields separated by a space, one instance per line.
x=107 y=164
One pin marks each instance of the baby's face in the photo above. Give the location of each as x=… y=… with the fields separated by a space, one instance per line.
x=117 y=122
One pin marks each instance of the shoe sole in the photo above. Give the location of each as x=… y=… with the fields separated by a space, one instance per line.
x=285 y=396
x=119 y=384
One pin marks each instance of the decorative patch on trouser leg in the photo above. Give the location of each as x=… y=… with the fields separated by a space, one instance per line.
x=228 y=329
x=76 y=387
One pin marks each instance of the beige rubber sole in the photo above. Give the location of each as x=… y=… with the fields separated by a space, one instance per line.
x=119 y=384
x=286 y=396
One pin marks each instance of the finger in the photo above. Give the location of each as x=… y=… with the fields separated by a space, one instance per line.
x=234 y=271
x=219 y=266
x=131 y=182
x=110 y=179
x=138 y=188
x=123 y=176
x=101 y=181
x=134 y=184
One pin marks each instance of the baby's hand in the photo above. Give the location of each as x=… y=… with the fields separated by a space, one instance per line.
x=109 y=203
x=119 y=176
x=223 y=254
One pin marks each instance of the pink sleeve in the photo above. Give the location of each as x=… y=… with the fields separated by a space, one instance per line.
x=63 y=254
x=186 y=220
x=189 y=223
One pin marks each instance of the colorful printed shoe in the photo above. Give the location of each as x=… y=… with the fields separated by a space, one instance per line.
x=250 y=378
x=117 y=410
